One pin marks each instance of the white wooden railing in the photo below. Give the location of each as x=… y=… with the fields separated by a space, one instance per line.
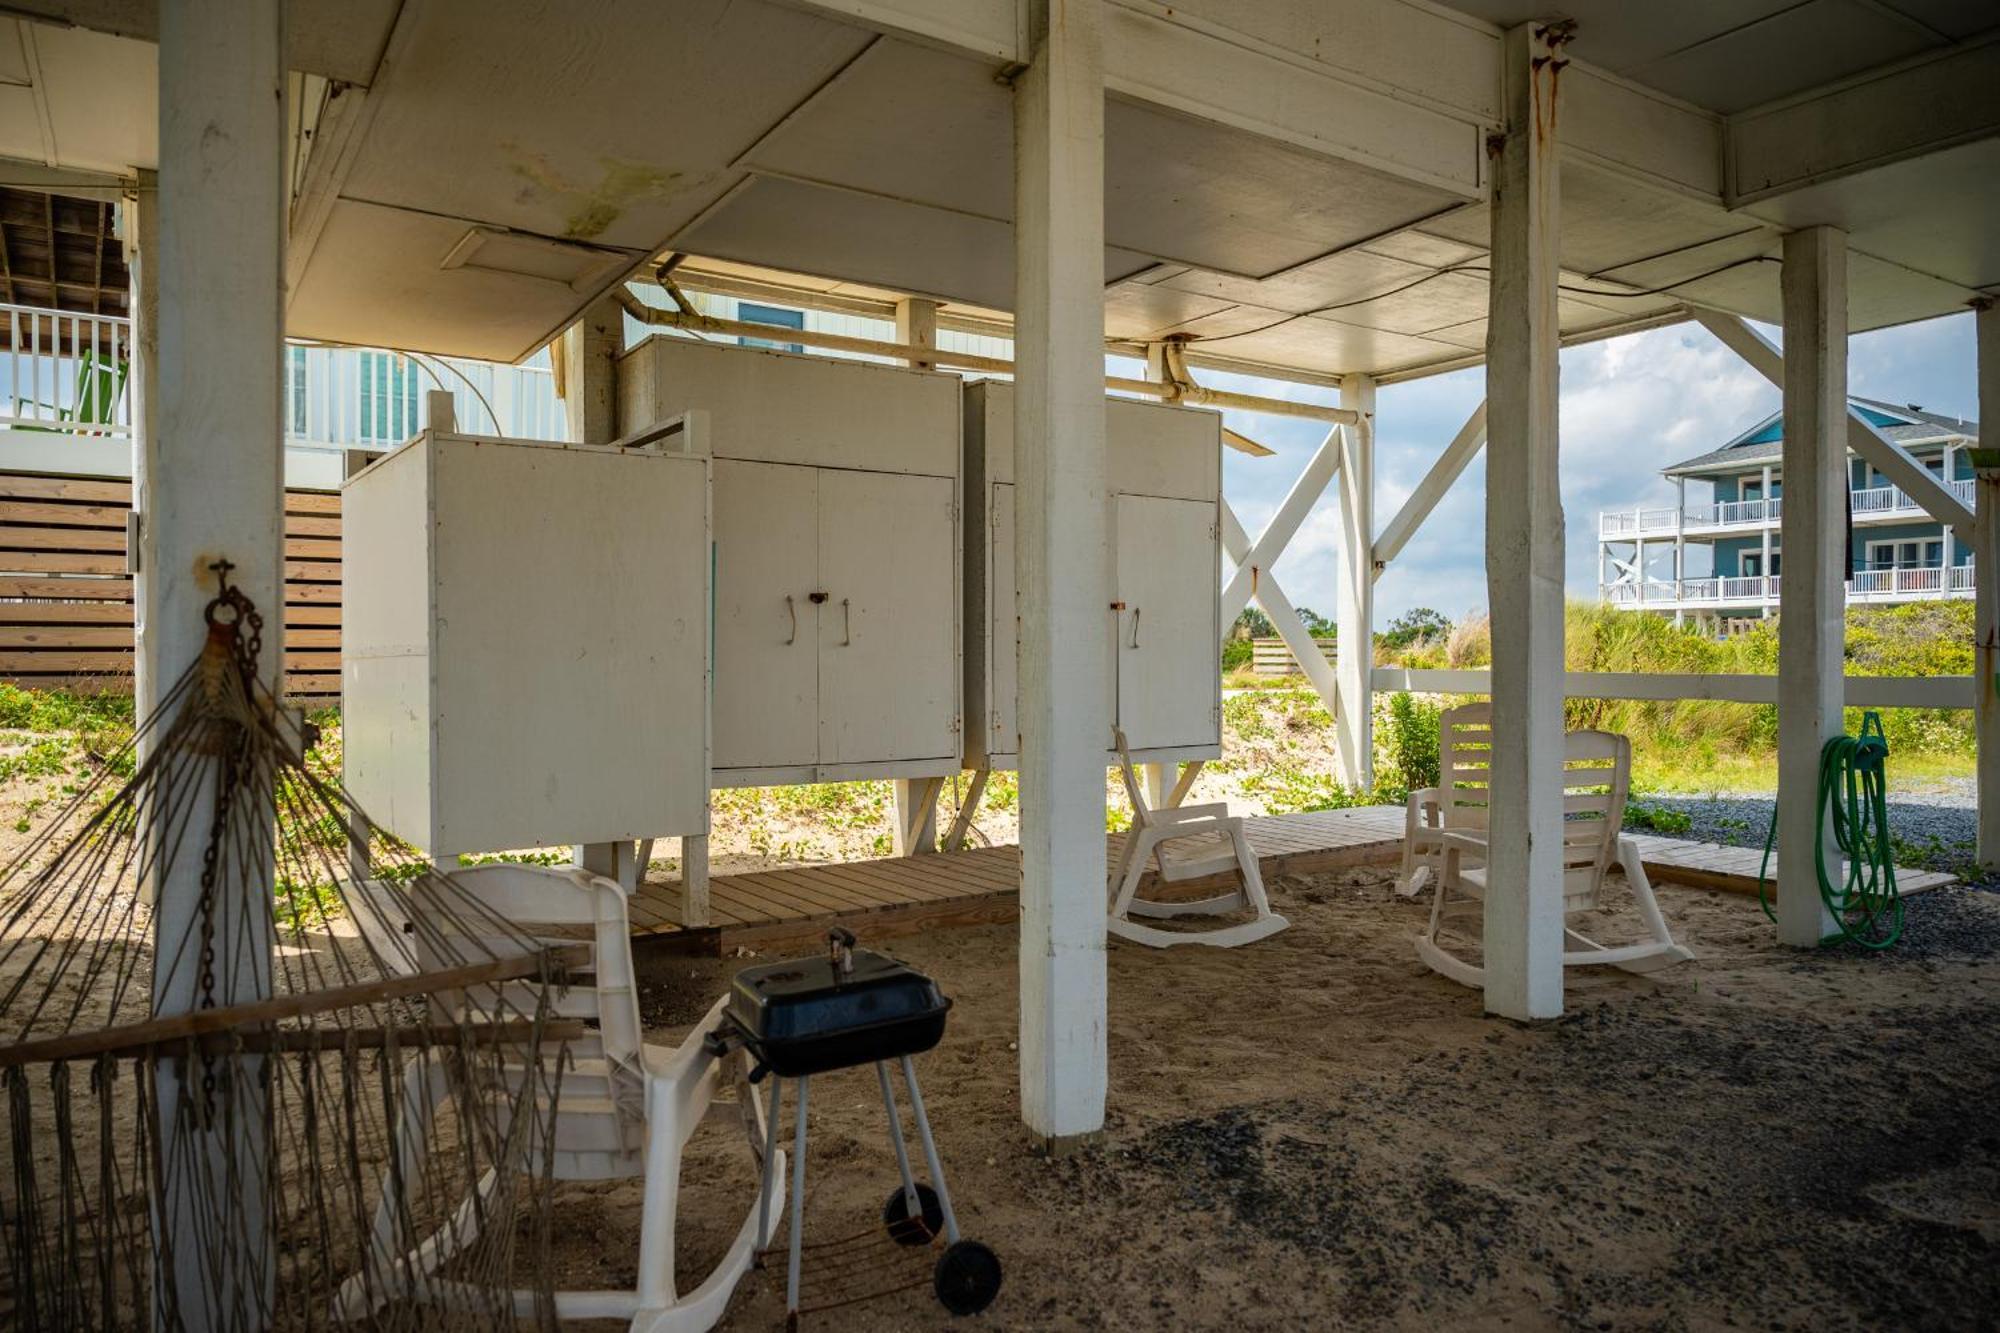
x=67 y=374
x=1868 y=585
x=1868 y=501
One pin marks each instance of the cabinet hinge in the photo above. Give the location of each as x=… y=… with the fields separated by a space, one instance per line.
x=957 y=723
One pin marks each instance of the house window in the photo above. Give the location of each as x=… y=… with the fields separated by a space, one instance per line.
x=295 y=391
x=388 y=398
x=1753 y=563
x=1907 y=553
x=777 y=318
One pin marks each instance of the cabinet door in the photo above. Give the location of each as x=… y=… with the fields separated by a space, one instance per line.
x=1169 y=649
x=766 y=692
x=1003 y=629
x=889 y=628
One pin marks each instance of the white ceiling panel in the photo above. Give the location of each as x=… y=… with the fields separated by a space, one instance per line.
x=1351 y=275
x=1230 y=202
x=1730 y=54
x=1619 y=34
x=1799 y=48
x=865 y=238
x=1328 y=347
x=1572 y=315
x=341 y=39
x=906 y=122
x=910 y=123
x=1141 y=311
x=614 y=130
x=380 y=277
x=78 y=99
x=1933 y=214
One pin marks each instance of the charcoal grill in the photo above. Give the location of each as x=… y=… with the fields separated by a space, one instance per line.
x=844 y=1008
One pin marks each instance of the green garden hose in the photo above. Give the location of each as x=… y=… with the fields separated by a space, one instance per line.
x=1854 y=793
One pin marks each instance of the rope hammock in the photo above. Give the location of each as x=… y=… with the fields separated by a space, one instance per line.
x=225 y=1001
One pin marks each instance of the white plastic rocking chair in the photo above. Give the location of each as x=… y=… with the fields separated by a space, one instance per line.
x=1210 y=841
x=1596 y=777
x=623 y=1109
x=1465 y=741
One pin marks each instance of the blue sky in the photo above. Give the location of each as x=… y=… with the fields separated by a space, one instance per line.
x=1630 y=406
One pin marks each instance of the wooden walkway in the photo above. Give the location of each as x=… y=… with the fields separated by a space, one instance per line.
x=975 y=887
x=1710 y=865
x=895 y=896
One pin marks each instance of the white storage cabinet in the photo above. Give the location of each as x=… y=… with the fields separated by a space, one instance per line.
x=525 y=643
x=836 y=557
x=1161 y=595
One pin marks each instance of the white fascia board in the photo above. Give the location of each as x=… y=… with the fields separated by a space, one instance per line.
x=1162 y=56
x=1220 y=75
x=1919 y=106
x=1151 y=55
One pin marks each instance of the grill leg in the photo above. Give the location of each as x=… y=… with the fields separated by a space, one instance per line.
x=798 y=1204
x=770 y=1162
x=930 y=1151
x=910 y=1204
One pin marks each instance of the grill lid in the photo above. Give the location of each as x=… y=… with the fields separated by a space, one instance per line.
x=844 y=991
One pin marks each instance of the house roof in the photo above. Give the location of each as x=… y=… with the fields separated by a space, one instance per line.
x=1906 y=424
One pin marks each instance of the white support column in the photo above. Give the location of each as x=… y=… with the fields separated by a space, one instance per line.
x=142 y=243
x=213 y=490
x=1812 y=628
x=1524 y=543
x=1354 y=720
x=1061 y=534
x=1986 y=584
x=915 y=800
x=1639 y=564
x=589 y=388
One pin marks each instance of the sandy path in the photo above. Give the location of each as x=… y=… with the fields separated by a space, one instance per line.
x=1316 y=1132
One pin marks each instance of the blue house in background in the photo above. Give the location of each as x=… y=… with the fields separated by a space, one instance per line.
x=1719 y=559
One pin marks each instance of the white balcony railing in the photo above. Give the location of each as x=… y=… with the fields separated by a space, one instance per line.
x=1867 y=502
x=69 y=375
x=1867 y=585
x=65 y=373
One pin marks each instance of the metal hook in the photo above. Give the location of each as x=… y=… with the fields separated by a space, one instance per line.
x=792 y=609
x=846 y=623
x=1135 y=627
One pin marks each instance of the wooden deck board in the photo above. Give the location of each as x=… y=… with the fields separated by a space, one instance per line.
x=1710 y=865
x=788 y=908
x=895 y=895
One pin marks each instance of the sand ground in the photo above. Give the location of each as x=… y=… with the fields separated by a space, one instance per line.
x=1316 y=1132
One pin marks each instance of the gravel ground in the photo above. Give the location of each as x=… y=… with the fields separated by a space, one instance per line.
x=1934 y=820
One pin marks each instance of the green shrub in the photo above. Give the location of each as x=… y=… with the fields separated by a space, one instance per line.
x=1680 y=740
x=1406 y=743
x=1656 y=817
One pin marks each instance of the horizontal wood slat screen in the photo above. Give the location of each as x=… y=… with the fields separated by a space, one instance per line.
x=66 y=600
